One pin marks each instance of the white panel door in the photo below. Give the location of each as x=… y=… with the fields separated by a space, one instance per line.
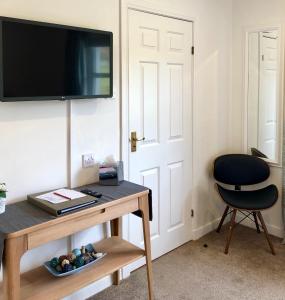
x=160 y=89
x=267 y=138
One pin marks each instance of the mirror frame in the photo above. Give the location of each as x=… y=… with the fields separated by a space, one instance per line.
x=280 y=89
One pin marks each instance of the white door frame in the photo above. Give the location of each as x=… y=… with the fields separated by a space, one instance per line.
x=143 y=6
x=280 y=87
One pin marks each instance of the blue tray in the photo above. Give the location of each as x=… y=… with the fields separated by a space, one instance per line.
x=58 y=274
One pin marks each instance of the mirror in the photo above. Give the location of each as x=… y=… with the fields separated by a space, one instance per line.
x=263 y=95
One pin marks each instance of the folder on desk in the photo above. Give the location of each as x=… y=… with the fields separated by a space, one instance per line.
x=58 y=209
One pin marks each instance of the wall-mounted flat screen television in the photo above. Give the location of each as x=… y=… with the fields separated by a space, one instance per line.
x=41 y=61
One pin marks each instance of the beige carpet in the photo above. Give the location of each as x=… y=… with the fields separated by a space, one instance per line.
x=194 y=271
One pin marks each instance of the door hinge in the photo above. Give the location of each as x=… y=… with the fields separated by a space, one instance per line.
x=192 y=213
x=192 y=50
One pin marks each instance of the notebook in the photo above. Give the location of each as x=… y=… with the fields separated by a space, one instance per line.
x=62 y=201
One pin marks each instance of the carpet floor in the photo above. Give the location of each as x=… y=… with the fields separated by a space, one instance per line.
x=200 y=270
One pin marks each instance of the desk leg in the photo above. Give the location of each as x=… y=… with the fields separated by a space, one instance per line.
x=14 y=249
x=143 y=205
x=116 y=228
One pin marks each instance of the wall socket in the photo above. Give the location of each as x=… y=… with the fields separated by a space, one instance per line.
x=88 y=160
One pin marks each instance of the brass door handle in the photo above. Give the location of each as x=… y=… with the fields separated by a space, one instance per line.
x=134 y=141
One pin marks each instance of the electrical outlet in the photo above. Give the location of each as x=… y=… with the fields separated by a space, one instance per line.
x=88 y=160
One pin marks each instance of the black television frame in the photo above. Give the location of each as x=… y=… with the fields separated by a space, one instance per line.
x=61 y=98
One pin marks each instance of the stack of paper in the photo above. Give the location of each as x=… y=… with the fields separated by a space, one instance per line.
x=60 y=196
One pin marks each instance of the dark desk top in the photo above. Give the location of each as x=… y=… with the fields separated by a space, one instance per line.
x=21 y=215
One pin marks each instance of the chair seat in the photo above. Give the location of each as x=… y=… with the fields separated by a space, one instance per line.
x=250 y=200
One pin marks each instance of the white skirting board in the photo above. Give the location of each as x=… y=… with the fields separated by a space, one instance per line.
x=92 y=289
x=203 y=230
x=272 y=229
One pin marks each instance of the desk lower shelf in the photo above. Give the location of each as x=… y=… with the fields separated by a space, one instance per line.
x=39 y=284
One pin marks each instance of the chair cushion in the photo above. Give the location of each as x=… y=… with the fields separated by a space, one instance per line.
x=240 y=169
x=250 y=200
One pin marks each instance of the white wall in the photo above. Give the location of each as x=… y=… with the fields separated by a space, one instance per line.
x=34 y=141
x=34 y=135
x=248 y=13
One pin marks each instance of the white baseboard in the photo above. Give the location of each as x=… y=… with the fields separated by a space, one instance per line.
x=96 y=287
x=205 y=229
x=91 y=289
x=272 y=229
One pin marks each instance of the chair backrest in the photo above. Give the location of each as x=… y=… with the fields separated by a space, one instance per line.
x=240 y=169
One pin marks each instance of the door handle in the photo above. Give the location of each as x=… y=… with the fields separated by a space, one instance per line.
x=134 y=141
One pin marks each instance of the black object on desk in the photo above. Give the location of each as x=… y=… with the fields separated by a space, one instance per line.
x=91 y=193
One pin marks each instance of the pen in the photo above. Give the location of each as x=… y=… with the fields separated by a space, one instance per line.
x=62 y=196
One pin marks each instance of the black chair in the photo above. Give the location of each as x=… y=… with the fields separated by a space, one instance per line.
x=242 y=170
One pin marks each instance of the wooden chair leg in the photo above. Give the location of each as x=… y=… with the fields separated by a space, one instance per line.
x=256 y=222
x=266 y=232
x=223 y=219
x=230 y=233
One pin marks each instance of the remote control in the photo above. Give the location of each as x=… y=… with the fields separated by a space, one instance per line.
x=91 y=193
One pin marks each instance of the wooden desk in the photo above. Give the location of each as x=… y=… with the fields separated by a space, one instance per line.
x=39 y=284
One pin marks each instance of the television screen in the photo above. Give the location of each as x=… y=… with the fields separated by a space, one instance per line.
x=40 y=61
